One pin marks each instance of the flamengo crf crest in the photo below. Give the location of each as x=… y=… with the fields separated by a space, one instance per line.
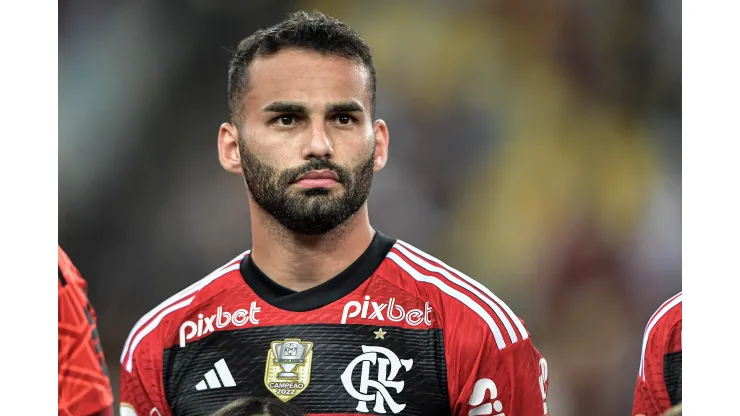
x=288 y=369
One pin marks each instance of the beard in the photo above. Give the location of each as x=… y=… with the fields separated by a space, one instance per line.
x=310 y=211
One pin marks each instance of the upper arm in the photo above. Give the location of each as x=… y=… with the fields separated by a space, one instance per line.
x=658 y=385
x=84 y=387
x=486 y=378
x=512 y=381
x=646 y=399
x=141 y=387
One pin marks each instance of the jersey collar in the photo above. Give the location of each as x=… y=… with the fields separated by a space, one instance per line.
x=328 y=292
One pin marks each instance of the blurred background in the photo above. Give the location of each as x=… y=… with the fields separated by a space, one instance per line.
x=535 y=147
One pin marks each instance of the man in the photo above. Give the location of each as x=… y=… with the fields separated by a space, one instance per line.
x=324 y=311
x=84 y=387
x=658 y=386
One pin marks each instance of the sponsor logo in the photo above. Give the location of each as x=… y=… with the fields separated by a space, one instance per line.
x=383 y=358
x=221 y=319
x=543 y=384
x=485 y=391
x=386 y=311
x=219 y=370
x=288 y=367
x=485 y=395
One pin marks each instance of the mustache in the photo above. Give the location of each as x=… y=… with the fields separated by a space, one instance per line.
x=291 y=175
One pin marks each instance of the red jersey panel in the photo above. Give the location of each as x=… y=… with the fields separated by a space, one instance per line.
x=84 y=387
x=659 y=380
x=406 y=334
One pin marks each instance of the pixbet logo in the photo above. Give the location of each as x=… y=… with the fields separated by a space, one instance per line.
x=205 y=325
x=383 y=311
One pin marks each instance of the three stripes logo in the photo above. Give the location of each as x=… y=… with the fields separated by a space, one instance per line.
x=212 y=380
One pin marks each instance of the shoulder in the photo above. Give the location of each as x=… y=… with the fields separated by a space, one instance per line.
x=159 y=317
x=68 y=273
x=661 y=326
x=463 y=303
x=666 y=317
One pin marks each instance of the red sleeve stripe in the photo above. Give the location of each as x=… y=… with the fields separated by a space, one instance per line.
x=423 y=266
x=444 y=287
x=666 y=304
x=664 y=308
x=483 y=293
x=195 y=287
x=152 y=325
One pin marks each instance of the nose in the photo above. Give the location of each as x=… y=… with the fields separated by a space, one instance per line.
x=318 y=144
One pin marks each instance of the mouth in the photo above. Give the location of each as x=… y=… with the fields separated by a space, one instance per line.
x=318 y=179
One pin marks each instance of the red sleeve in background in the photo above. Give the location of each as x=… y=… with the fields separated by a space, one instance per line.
x=659 y=386
x=84 y=386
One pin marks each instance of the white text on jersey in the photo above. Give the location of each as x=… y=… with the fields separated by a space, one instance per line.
x=221 y=319
x=383 y=311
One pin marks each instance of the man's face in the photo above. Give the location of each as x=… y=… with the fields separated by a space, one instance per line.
x=306 y=140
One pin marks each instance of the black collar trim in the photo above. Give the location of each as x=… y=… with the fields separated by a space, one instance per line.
x=328 y=292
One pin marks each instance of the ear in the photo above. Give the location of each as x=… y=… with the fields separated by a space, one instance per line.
x=380 y=131
x=228 y=148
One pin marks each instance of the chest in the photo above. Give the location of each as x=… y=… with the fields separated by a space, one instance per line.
x=321 y=368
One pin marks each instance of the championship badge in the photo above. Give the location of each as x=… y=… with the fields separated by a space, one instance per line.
x=288 y=369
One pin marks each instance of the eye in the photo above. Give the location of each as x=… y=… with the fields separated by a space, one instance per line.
x=344 y=119
x=285 y=120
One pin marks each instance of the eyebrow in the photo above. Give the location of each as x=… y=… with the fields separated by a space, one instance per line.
x=285 y=107
x=344 y=107
x=294 y=107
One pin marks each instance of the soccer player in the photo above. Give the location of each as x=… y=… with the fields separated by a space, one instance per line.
x=84 y=387
x=659 y=380
x=324 y=310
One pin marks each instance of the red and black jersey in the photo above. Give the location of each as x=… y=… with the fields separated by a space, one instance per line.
x=84 y=387
x=398 y=332
x=659 y=380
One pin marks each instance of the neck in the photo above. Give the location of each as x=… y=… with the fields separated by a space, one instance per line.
x=300 y=262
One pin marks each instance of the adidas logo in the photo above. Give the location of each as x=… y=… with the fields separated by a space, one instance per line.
x=212 y=382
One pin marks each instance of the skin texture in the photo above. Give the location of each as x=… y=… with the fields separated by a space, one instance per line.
x=306 y=112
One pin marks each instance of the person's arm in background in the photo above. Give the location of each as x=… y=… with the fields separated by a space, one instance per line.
x=658 y=385
x=84 y=386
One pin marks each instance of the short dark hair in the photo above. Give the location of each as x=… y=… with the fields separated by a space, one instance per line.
x=253 y=406
x=316 y=32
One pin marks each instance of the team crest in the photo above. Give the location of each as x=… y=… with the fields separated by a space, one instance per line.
x=288 y=369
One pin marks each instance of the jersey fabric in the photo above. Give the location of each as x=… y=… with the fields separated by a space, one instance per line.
x=659 y=380
x=398 y=332
x=84 y=386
